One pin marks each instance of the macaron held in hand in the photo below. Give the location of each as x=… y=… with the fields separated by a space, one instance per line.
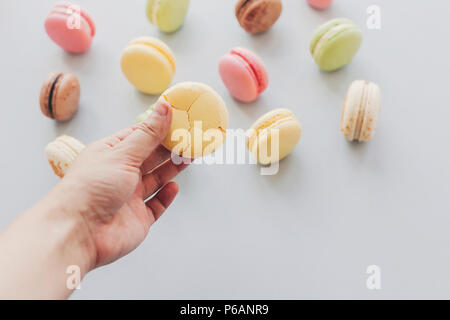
x=70 y=27
x=60 y=96
x=274 y=136
x=361 y=111
x=335 y=43
x=256 y=16
x=244 y=74
x=167 y=15
x=199 y=120
x=149 y=65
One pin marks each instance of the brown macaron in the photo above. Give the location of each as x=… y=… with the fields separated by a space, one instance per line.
x=60 y=96
x=257 y=16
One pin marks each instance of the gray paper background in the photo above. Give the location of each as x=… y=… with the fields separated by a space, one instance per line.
x=334 y=208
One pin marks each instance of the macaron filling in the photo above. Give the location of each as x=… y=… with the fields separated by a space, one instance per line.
x=330 y=34
x=155 y=8
x=251 y=68
x=51 y=95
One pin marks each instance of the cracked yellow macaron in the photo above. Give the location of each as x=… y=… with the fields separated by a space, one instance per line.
x=199 y=120
x=274 y=136
x=149 y=65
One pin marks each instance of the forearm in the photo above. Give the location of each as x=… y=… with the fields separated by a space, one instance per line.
x=37 y=249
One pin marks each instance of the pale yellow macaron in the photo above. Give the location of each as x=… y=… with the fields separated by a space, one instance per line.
x=200 y=120
x=62 y=152
x=361 y=111
x=274 y=136
x=148 y=64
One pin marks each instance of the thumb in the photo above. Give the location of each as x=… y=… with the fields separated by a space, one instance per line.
x=149 y=134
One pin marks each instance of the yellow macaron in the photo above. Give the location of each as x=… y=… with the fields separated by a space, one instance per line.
x=274 y=136
x=199 y=122
x=148 y=64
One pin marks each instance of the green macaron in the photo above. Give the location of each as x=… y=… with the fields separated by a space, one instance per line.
x=167 y=15
x=335 y=43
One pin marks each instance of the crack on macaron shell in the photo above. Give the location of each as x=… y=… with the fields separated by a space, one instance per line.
x=189 y=127
x=197 y=108
x=191 y=122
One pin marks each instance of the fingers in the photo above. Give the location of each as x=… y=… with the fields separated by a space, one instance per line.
x=157 y=158
x=148 y=135
x=158 y=204
x=118 y=137
x=161 y=176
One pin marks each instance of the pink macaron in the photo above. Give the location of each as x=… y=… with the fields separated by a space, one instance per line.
x=70 y=27
x=320 y=4
x=244 y=74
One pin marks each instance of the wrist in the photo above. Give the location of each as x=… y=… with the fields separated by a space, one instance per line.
x=63 y=215
x=42 y=247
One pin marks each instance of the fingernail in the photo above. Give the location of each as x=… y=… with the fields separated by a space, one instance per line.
x=161 y=109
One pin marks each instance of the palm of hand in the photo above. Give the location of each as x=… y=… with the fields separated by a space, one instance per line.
x=117 y=216
x=126 y=228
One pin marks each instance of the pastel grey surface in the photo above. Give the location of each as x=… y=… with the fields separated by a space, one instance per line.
x=335 y=207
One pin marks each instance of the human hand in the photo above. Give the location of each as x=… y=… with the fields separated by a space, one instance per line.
x=110 y=181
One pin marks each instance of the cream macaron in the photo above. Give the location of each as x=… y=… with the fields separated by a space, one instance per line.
x=199 y=120
x=274 y=136
x=62 y=152
x=361 y=111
